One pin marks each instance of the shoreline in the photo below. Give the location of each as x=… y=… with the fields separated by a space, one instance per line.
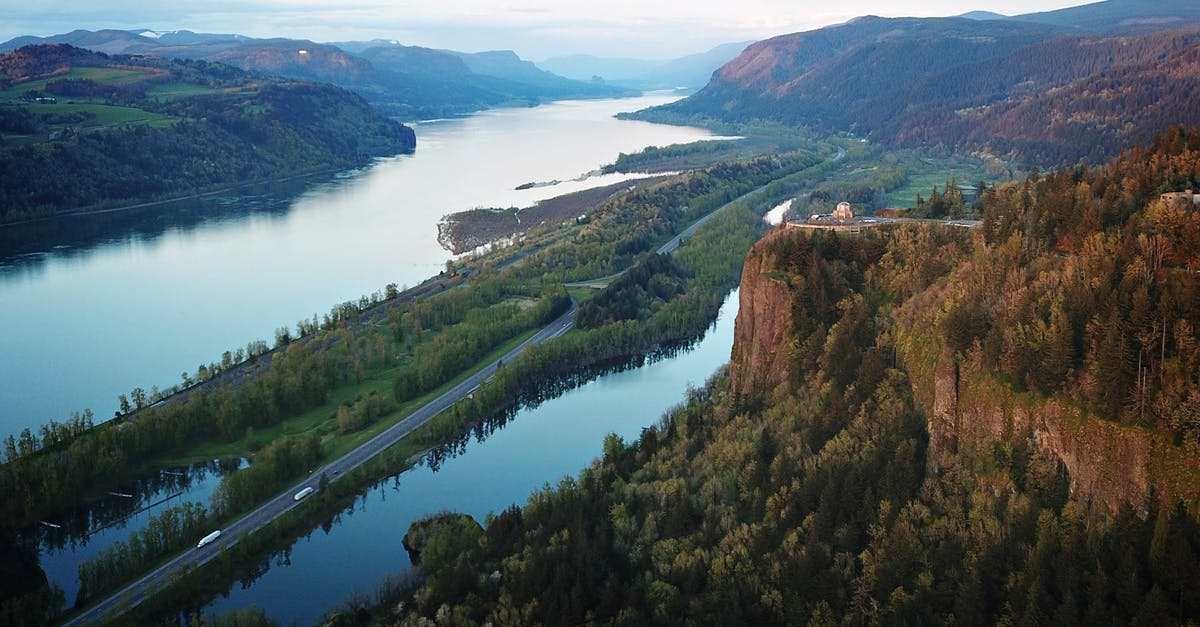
x=77 y=213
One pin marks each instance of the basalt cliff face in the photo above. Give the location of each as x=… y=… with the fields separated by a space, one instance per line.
x=762 y=332
x=1109 y=465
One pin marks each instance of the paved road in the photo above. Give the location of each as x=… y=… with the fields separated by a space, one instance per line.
x=137 y=591
x=674 y=242
x=134 y=593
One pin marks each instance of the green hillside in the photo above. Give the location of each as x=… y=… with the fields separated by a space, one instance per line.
x=1038 y=94
x=82 y=130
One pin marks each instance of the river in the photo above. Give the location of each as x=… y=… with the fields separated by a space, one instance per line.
x=537 y=447
x=94 y=306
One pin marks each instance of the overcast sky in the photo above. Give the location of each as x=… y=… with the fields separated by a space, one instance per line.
x=536 y=29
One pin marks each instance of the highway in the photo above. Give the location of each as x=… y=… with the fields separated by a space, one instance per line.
x=137 y=591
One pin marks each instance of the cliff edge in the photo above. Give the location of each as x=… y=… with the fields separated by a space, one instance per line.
x=1109 y=464
x=762 y=332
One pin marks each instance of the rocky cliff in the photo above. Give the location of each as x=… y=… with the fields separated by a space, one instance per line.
x=762 y=332
x=1109 y=464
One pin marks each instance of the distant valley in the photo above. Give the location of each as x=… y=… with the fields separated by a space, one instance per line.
x=97 y=119
x=689 y=72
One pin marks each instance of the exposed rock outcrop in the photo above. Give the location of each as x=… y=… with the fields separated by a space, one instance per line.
x=762 y=333
x=1109 y=464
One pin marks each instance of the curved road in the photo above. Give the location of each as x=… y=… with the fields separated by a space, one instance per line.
x=137 y=591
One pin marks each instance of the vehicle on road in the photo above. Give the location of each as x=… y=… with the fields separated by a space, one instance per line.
x=303 y=493
x=208 y=539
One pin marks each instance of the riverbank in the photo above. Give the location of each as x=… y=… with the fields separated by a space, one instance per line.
x=711 y=257
x=168 y=286
x=213 y=191
x=468 y=230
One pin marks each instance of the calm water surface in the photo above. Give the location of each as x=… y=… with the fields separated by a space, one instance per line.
x=92 y=307
x=115 y=518
x=537 y=447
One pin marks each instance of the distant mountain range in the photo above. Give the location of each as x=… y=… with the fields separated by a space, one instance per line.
x=1112 y=16
x=404 y=81
x=689 y=72
x=1047 y=88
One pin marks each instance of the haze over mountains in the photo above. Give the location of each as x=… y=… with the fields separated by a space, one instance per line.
x=692 y=71
x=1044 y=89
x=1041 y=88
x=403 y=81
x=411 y=82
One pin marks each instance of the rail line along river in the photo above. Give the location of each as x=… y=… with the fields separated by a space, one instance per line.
x=94 y=306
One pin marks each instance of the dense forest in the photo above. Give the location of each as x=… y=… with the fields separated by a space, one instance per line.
x=817 y=499
x=122 y=129
x=1032 y=92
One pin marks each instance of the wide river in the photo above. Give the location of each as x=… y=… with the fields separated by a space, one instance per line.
x=92 y=307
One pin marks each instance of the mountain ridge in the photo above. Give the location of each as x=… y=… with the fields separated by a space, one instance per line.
x=939 y=81
x=397 y=79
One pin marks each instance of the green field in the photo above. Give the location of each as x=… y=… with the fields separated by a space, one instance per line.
x=111 y=115
x=934 y=173
x=82 y=114
x=94 y=116
x=179 y=89
x=103 y=75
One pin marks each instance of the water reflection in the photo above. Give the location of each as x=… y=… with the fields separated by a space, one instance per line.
x=62 y=543
x=25 y=248
x=544 y=391
x=360 y=546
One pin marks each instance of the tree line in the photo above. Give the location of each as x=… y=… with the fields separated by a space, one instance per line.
x=71 y=461
x=177 y=527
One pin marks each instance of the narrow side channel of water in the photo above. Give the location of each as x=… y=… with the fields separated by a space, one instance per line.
x=538 y=446
x=90 y=531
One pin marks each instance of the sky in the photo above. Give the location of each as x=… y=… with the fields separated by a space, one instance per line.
x=535 y=29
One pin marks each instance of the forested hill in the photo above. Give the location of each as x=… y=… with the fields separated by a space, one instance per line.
x=1042 y=94
x=997 y=426
x=408 y=82
x=81 y=130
